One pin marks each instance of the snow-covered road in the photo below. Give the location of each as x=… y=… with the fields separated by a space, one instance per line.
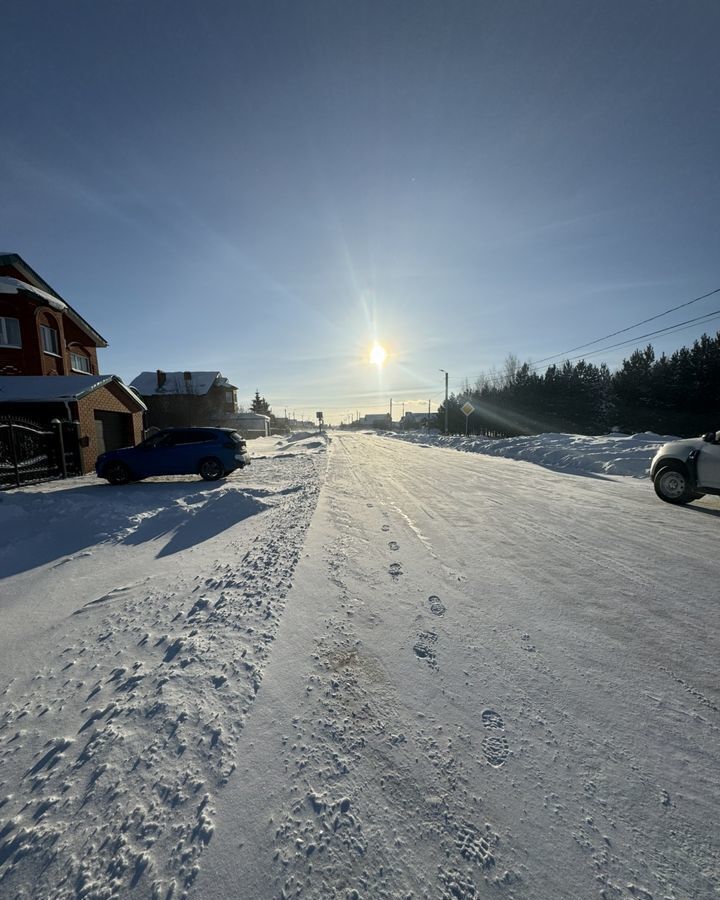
x=469 y=677
x=491 y=679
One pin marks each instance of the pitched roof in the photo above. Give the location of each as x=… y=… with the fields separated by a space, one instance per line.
x=199 y=383
x=57 y=388
x=31 y=283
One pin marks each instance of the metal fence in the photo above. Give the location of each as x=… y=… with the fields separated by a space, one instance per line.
x=30 y=453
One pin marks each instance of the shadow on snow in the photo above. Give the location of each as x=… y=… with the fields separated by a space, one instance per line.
x=37 y=528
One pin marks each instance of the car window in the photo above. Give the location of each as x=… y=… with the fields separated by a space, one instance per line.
x=193 y=436
x=155 y=440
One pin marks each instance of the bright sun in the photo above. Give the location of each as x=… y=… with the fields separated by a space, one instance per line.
x=378 y=355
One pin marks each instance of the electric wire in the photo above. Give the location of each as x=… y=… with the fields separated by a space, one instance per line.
x=629 y=327
x=497 y=380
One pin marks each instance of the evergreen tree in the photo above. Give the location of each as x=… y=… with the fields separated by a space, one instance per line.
x=260 y=405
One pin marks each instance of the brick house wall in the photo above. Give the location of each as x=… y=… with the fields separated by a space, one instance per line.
x=31 y=358
x=109 y=398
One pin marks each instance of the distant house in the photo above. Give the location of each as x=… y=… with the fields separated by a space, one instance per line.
x=416 y=420
x=378 y=420
x=186 y=399
x=49 y=367
x=250 y=424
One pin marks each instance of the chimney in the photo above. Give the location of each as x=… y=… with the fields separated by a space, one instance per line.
x=161 y=377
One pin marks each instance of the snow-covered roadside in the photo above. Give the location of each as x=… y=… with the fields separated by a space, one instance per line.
x=122 y=705
x=609 y=454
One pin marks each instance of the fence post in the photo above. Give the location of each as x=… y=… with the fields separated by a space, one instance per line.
x=57 y=427
x=13 y=453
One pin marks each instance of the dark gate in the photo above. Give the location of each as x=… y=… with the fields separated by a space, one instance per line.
x=29 y=453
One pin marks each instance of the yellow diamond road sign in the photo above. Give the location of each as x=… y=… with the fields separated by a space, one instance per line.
x=467 y=408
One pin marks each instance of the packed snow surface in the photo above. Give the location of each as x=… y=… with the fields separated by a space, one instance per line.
x=362 y=669
x=613 y=454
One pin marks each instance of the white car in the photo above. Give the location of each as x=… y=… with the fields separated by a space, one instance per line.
x=686 y=470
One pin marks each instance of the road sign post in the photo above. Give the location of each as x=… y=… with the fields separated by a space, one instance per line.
x=468 y=409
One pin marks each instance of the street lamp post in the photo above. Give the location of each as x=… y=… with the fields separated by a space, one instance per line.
x=446 y=400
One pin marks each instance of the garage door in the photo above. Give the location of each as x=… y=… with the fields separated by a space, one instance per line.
x=112 y=430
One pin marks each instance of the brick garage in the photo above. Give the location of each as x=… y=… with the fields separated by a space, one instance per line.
x=112 y=399
x=110 y=414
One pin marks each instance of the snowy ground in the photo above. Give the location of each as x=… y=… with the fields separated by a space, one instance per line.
x=611 y=454
x=470 y=677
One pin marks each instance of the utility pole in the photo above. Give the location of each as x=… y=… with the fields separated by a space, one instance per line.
x=446 y=400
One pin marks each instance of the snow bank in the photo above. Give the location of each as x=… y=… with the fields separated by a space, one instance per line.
x=609 y=454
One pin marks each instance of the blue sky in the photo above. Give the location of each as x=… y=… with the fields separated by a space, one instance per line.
x=268 y=187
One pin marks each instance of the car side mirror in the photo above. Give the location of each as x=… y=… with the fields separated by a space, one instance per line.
x=709 y=437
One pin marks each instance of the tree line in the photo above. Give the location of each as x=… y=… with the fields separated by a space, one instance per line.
x=677 y=394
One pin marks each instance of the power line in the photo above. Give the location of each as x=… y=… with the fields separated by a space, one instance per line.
x=669 y=330
x=630 y=327
x=499 y=379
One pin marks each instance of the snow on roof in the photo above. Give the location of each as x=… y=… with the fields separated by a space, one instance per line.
x=15 y=285
x=55 y=388
x=250 y=416
x=10 y=285
x=199 y=383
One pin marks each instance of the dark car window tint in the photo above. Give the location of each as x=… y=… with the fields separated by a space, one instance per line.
x=193 y=437
x=157 y=440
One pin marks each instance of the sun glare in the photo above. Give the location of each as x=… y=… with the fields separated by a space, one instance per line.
x=378 y=355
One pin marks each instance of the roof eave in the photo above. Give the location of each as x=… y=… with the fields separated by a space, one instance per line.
x=17 y=262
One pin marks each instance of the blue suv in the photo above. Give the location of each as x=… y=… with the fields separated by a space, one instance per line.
x=208 y=452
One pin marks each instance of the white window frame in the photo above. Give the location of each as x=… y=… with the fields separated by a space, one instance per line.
x=86 y=359
x=55 y=340
x=5 y=340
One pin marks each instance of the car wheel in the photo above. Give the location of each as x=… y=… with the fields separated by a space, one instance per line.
x=672 y=486
x=117 y=473
x=211 y=469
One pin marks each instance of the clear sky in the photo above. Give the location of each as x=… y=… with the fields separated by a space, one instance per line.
x=267 y=188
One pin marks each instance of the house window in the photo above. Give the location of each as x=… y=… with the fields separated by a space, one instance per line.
x=10 y=332
x=50 y=341
x=80 y=363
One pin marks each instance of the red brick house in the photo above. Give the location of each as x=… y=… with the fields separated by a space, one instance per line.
x=41 y=335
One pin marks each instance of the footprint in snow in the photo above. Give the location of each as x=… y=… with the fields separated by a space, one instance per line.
x=393 y=545
x=386 y=528
x=495 y=746
x=437 y=607
x=395 y=571
x=424 y=647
